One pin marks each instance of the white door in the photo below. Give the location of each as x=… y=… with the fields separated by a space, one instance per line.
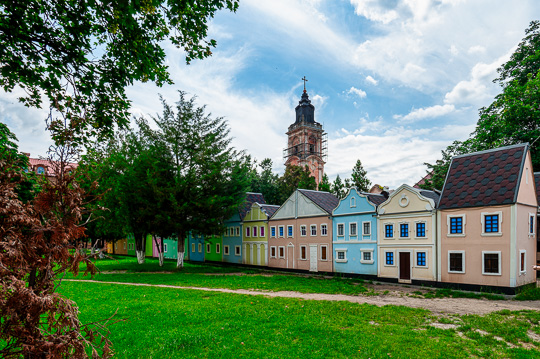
x=313 y=258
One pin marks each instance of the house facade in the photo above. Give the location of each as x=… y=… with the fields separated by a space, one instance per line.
x=195 y=247
x=407 y=233
x=488 y=216
x=301 y=232
x=354 y=233
x=255 y=234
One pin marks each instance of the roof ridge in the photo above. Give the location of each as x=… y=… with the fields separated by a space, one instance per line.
x=525 y=144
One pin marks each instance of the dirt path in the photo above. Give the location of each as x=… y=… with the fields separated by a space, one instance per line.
x=395 y=295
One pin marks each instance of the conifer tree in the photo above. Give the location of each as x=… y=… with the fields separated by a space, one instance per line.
x=338 y=188
x=359 y=177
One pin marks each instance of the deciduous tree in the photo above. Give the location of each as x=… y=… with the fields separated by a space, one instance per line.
x=81 y=55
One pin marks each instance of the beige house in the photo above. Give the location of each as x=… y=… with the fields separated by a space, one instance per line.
x=407 y=229
x=487 y=216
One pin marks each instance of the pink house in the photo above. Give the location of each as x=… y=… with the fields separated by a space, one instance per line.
x=487 y=216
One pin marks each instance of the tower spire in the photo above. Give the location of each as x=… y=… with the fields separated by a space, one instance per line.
x=305 y=80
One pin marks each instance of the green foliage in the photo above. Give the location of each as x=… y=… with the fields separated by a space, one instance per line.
x=338 y=188
x=529 y=294
x=514 y=115
x=359 y=177
x=324 y=185
x=81 y=55
x=266 y=182
x=295 y=177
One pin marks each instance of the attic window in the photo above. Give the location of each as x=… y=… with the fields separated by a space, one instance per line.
x=40 y=170
x=353 y=202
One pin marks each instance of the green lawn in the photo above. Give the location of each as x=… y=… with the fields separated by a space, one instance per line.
x=215 y=276
x=173 y=323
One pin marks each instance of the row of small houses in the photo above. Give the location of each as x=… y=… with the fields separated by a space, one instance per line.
x=480 y=231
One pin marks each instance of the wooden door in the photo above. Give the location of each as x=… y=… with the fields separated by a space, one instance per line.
x=404 y=266
x=313 y=258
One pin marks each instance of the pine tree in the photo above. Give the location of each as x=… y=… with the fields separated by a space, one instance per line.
x=338 y=188
x=325 y=185
x=359 y=179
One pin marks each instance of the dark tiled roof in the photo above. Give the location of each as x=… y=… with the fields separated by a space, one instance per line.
x=537 y=183
x=376 y=199
x=327 y=201
x=431 y=194
x=423 y=180
x=484 y=178
x=269 y=209
x=250 y=199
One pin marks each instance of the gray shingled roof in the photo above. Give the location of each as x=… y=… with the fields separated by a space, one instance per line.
x=250 y=199
x=431 y=194
x=484 y=178
x=327 y=201
x=269 y=209
x=376 y=199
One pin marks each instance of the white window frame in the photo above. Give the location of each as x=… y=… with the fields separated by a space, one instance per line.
x=303 y=230
x=306 y=257
x=416 y=258
x=208 y=248
x=311 y=228
x=218 y=248
x=262 y=231
x=273 y=229
x=226 y=250
x=352 y=202
x=489 y=234
x=362 y=260
x=463 y=223
x=164 y=247
x=350 y=229
x=393 y=230
x=321 y=252
x=193 y=247
x=273 y=249
x=408 y=231
x=522 y=272
x=255 y=231
x=369 y=223
x=199 y=247
x=462 y=264
x=532 y=218
x=292 y=231
x=341 y=250
x=238 y=251
x=342 y=233
x=280 y=229
x=416 y=223
x=238 y=231
x=324 y=229
x=248 y=231
x=500 y=264
x=393 y=256
x=280 y=248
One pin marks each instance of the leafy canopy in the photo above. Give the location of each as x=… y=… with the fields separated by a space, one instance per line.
x=81 y=55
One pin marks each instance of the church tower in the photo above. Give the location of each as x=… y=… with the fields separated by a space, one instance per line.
x=307 y=141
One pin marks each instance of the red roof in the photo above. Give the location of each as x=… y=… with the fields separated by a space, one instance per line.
x=47 y=165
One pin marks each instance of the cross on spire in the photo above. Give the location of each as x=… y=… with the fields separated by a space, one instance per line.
x=304 y=79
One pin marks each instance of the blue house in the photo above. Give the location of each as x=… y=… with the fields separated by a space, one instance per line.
x=232 y=237
x=354 y=234
x=196 y=247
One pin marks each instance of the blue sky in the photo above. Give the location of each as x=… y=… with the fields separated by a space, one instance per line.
x=393 y=82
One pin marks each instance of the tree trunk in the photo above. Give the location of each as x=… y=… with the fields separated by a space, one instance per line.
x=181 y=250
x=161 y=258
x=140 y=247
x=159 y=246
x=140 y=256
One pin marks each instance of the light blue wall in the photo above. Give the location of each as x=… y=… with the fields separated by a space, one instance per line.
x=233 y=241
x=345 y=213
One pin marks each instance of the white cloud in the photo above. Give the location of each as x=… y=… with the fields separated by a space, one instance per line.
x=426 y=113
x=374 y=10
x=371 y=80
x=358 y=92
x=477 y=49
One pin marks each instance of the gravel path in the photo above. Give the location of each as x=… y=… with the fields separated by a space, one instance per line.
x=395 y=295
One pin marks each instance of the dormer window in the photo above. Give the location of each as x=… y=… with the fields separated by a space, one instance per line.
x=40 y=170
x=353 y=202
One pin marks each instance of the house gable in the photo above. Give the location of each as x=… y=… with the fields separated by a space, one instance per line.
x=526 y=193
x=354 y=202
x=406 y=199
x=287 y=209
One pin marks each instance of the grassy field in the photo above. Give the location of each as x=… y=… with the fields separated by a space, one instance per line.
x=175 y=323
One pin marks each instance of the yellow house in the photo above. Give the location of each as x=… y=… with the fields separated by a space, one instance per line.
x=407 y=231
x=255 y=234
